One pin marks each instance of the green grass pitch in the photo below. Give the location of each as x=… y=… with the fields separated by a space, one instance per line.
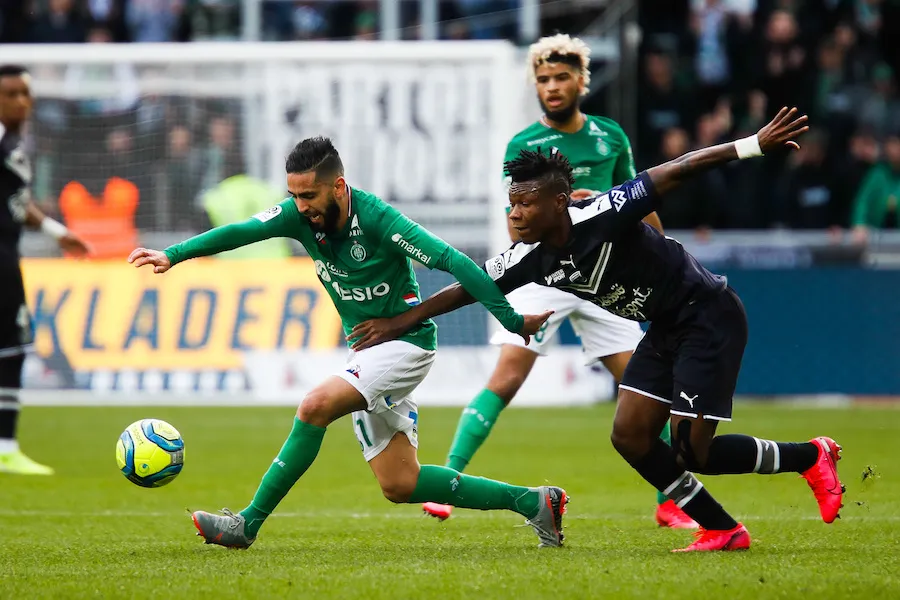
x=88 y=532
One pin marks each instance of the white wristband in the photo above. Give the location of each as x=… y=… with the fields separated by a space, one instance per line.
x=53 y=228
x=748 y=147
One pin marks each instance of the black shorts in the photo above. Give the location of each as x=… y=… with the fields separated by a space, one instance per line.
x=16 y=333
x=693 y=362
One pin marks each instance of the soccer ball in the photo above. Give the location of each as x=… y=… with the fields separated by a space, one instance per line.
x=150 y=453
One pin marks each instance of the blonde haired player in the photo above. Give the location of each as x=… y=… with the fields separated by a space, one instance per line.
x=601 y=157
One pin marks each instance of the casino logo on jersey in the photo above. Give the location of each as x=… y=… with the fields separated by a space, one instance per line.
x=358 y=252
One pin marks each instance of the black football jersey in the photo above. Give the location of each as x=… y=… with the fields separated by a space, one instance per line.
x=613 y=259
x=15 y=181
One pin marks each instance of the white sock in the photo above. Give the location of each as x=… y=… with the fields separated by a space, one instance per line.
x=8 y=446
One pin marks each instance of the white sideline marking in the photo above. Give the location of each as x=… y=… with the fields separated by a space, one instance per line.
x=401 y=515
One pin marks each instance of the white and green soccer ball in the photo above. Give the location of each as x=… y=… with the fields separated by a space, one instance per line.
x=150 y=453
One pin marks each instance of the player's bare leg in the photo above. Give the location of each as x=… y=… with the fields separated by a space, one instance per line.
x=326 y=403
x=667 y=512
x=403 y=480
x=477 y=419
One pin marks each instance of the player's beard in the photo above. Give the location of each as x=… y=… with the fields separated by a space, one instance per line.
x=331 y=216
x=560 y=115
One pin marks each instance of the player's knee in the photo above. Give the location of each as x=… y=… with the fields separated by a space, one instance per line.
x=628 y=442
x=315 y=409
x=398 y=490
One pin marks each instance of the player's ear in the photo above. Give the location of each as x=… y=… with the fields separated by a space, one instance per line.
x=340 y=186
x=562 y=202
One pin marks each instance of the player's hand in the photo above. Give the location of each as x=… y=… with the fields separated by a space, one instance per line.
x=73 y=244
x=375 y=331
x=581 y=194
x=782 y=130
x=533 y=324
x=144 y=256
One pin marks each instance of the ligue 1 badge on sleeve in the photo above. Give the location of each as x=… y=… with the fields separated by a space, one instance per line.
x=358 y=252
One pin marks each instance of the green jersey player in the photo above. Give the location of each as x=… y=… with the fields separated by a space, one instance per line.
x=362 y=249
x=601 y=157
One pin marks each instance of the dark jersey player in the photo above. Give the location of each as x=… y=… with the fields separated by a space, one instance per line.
x=16 y=211
x=686 y=366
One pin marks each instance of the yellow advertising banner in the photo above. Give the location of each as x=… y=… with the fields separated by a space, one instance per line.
x=203 y=314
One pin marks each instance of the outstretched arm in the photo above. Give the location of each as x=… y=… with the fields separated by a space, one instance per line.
x=267 y=224
x=781 y=131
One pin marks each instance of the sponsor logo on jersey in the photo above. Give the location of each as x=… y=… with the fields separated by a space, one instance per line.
x=581 y=171
x=325 y=270
x=575 y=276
x=320 y=237
x=411 y=299
x=495 y=267
x=353 y=370
x=410 y=249
x=555 y=276
x=618 y=198
x=354 y=227
x=633 y=306
x=268 y=214
x=322 y=271
x=547 y=138
x=358 y=252
x=360 y=294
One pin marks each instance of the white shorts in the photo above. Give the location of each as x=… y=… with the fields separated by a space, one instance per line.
x=386 y=376
x=602 y=333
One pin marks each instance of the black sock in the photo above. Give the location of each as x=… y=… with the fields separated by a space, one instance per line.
x=661 y=470
x=734 y=454
x=10 y=382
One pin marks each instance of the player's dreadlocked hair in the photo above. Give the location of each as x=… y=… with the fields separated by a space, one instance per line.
x=551 y=170
x=316 y=154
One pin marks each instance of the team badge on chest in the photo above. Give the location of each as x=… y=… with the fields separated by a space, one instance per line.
x=358 y=252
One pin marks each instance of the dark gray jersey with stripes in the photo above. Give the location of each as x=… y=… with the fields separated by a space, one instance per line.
x=613 y=259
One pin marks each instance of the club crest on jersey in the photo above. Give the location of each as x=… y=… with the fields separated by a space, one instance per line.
x=353 y=370
x=358 y=252
x=603 y=148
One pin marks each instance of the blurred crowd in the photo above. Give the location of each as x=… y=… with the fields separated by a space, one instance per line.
x=718 y=69
x=58 y=21
x=710 y=70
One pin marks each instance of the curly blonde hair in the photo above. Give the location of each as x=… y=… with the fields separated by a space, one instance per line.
x=560 y=44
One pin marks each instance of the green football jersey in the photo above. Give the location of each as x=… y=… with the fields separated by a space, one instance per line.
x=600 y=153
x=365 y=267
